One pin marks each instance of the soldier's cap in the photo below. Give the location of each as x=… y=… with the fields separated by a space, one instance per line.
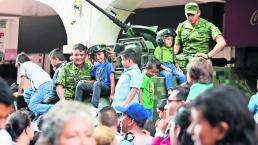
x=81 y=47
x=191 y=8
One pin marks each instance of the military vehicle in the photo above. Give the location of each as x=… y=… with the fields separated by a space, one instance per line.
x=144 y=38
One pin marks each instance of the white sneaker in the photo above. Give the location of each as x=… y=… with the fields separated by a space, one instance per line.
x=94 y=111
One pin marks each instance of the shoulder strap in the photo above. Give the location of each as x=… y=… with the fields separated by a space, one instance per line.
x=128 y=139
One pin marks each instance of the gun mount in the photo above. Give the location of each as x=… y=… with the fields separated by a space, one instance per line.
x=141 y=36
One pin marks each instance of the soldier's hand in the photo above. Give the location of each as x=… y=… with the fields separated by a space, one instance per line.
x=204 y=55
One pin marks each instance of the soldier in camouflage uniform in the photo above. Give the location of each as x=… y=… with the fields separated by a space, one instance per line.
x=194 y=35
x=73 y=72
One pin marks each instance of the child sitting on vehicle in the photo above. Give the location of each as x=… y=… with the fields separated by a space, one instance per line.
x=164 y=53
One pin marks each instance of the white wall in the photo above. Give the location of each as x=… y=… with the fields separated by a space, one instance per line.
x=92 y=27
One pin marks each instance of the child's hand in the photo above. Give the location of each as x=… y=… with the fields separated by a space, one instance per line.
x=112 y=54
x=167 y=69
x=124 y=104
x=111 y=98
x=178 y=68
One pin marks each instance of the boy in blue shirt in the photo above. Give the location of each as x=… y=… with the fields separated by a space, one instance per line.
x=129 y=83
x=103 y=80
x=164 y=53
x=253 y=105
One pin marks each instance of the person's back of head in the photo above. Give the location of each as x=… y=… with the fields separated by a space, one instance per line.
x=199 y=71
x=225 y=108
x=181 y=121
x=182 y=92
x=153 y=63
x=57 y=54
x=150 y=127
x=6 y=96
x=18 y=122
x=108 y=116
x=21 y=58
x=104 y=136
x=129 y=54
x=6 y=102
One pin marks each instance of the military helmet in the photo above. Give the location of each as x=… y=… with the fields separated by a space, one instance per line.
x=97 y=48
x=163 y=33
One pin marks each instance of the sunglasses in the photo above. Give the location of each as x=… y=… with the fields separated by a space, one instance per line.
x=169 y=101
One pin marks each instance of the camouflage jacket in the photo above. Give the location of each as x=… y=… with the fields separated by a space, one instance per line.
x=70 y=75
x=195 y=39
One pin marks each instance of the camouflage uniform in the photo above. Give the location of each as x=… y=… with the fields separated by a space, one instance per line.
x=70 y=75
x=194 y=39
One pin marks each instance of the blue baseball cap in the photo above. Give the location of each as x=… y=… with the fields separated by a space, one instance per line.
x=134 y=111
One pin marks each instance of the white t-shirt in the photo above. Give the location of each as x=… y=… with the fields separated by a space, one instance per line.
x=142 y=139
x=5 y=138
x=34 y=73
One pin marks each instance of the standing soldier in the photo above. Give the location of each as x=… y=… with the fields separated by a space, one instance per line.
x=194 y=35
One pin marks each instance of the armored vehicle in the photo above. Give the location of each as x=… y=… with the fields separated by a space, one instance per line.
x=142 y=40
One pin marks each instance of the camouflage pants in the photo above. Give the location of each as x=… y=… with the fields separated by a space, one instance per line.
x=183 y=59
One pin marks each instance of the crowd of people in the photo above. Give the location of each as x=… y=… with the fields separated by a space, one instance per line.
x=195 y=112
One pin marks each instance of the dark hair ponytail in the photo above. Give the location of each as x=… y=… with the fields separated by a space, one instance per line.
x=17 y=122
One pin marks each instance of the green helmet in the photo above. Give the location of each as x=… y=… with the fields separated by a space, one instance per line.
x=163 y=33
x=97 y=48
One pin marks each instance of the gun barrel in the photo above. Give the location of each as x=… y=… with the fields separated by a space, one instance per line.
x=114 y=19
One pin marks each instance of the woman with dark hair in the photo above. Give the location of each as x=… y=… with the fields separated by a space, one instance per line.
x=180 y=123
x=20 y=128
x=220 y=117
x=161 y=108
